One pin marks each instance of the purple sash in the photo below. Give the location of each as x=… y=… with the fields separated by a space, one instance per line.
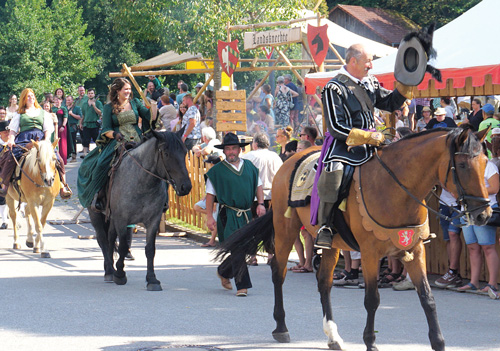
x=314 y=195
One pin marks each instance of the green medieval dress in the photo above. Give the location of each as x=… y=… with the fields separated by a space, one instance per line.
x=235 y=190
x=93 y=172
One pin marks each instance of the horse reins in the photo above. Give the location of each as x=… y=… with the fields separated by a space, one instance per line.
x=462 y=196
x=24 y=172
x=169 y=178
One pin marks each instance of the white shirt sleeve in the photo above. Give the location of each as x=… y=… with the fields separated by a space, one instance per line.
x=14 y=123
x=48 y=124
x=210 y=188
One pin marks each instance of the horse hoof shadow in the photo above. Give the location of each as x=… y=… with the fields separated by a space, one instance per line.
x=17 y=246
x=45 y=255
x=154 y=287
x=120 y=280
x=29 y=244
x=108 y=278
x=36 y=250
x=282 y=337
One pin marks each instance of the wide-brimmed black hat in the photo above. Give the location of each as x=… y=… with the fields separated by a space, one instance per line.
x=4 y=126
x=231 y=139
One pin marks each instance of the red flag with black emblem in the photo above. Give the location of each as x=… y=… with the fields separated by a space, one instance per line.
x=317 y=38
x=228 y=56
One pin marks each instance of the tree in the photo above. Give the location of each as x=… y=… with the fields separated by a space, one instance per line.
x=44 y=47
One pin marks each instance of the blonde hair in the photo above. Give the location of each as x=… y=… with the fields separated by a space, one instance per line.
x=23 y=98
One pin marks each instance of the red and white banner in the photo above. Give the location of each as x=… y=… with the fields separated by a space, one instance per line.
x=228 y=56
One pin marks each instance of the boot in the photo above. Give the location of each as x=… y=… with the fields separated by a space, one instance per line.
x=65 y=192
x=328 y=187
x=97 y=204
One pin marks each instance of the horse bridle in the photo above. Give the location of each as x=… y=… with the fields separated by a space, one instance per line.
x=168 y=179
x=462 y=199
x=26 y=174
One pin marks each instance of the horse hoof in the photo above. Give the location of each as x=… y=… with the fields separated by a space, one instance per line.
x=108 y=278
x=29 y=244
x=282 y=337
x=45 y=255
x=36 y=250
x=334 y=346
x=120 y=281
x=17 y=246
x=154 y=287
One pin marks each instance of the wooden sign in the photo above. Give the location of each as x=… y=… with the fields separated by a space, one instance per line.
x=231 y=111
x=272 y=38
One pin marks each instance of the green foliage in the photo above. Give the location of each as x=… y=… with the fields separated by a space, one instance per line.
x=44 y=47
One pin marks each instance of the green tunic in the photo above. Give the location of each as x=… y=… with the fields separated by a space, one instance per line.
x=93 y=172
x=235 y=189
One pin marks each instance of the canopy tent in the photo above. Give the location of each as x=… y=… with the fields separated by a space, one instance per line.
x=467 y=57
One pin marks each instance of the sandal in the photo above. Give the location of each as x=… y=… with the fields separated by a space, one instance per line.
x=302 y=270
x=468 y=286
x=295 y=268
x=488 y=287
x=386 y=281
x=338 y=276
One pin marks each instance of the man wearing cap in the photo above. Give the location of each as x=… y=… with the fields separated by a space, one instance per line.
x=426 y=118
x=348 y=102
x=490 y=120
x=440 y=120
x=234 y=182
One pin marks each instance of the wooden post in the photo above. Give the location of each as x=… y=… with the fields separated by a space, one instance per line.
x=134 y=82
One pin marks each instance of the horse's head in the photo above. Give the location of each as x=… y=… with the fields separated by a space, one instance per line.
x=46 y=161
x=172 y=161
x=465 y=174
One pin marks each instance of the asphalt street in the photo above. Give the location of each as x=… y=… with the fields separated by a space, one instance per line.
x=63 y=303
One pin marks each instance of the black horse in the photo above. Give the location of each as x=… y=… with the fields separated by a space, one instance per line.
x=137 y=195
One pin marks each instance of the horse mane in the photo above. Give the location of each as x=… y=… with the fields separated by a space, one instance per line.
x=45 y=152
x=471 y=145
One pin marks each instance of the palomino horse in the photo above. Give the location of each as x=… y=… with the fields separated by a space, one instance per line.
x=39 y=186
x=452 y=158
x=138 y=195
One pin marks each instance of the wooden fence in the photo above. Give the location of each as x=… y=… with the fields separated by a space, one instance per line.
x=436 y=255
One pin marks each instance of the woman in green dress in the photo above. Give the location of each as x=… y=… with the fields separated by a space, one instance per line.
x=120 y=123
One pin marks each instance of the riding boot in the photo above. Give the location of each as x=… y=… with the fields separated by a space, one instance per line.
x=8 y=167
x=98 y=202
x=328 y=188
x=65 y=191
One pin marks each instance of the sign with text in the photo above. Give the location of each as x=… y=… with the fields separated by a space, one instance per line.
x=272 y=38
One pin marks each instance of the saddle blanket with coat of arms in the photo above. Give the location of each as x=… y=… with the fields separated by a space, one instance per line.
x=302 y=180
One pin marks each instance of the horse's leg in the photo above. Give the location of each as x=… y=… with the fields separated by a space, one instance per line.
x=120 y=277
x=13 y=215
x=153 y=284
x=370 y=261
x=284 y=237
x=417 y=271
x=46 y=207
x=39 y=242
x=29 y=235
x=101 y=230
x=329 y=259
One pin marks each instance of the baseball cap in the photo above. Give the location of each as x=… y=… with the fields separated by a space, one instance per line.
x=426 y=108
x=495 y=131
x=488 y=108
x=198 y=85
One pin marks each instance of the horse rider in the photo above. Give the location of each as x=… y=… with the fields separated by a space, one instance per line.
x=31 y=122
x=120 y=123
x=348 y=102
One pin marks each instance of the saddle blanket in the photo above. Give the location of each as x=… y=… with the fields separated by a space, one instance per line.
x=302 y=180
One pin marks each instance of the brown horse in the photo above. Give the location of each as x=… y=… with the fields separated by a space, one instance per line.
x=39 y=186
x=452 y=158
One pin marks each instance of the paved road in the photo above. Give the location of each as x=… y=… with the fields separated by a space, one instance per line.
x=63 y=303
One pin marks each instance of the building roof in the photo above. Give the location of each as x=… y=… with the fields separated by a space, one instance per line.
x=389 y=25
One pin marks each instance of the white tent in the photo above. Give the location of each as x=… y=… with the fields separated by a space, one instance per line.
x=465 y=46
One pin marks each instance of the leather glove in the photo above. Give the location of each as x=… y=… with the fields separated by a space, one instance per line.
x=360 y=137
x=117 y=136
x=405 y=90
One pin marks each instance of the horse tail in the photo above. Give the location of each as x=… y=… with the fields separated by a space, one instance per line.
x=249 y=239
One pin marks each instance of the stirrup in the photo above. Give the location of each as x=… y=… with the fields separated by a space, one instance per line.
x=321 y=242
x=96 y=204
